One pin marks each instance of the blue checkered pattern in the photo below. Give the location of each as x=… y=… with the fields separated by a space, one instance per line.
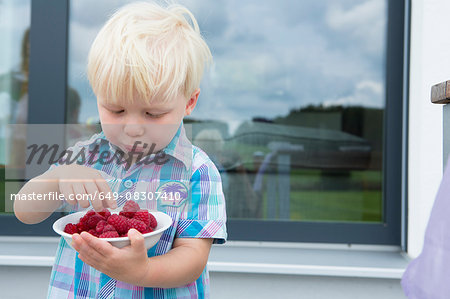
x=198 y=214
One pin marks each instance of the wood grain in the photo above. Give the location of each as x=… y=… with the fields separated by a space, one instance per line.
x=440 y=93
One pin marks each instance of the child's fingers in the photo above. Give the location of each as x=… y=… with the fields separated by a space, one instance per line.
x=103 y=187
x=100 y=246
x=78 y=188
x=66 y=189
x=97 y=204
x=80 y=245
x=136 y=239
x=91 y=189
x=86 y=259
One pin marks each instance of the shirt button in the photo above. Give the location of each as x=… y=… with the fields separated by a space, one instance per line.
x=128 y=183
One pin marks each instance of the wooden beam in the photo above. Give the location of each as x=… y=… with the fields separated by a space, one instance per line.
x=440 y=93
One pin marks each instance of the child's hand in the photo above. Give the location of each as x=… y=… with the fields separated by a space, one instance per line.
x=128 y=264
x=83 y=185
x=183 y=264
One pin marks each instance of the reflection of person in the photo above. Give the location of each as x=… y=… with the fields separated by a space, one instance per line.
x=15 y=82
x=73 y=109
x=211 y=141
x=145 y=67
x=18 y=91
x=242 y=200
x=19 y=116
x=19 y=111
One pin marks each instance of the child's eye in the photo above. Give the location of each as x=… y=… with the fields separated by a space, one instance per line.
x=154 y=115
x=117 y=112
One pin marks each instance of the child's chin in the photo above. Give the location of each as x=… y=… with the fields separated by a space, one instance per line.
x=147 y=150
x=129 y=149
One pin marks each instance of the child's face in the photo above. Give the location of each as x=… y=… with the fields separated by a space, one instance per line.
x=154 y=123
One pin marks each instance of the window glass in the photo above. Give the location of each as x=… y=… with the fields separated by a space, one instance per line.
x=291 y=111
x=14 y=61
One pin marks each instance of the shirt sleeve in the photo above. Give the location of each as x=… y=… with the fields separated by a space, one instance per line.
x=204 y=215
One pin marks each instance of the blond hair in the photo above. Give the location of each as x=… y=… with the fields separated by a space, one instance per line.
x=147 y=52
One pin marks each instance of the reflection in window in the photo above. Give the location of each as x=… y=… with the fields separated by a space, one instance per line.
x=14 y=62
x=292 y=110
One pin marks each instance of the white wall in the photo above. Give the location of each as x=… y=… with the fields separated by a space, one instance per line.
x=228 y=285
x=429 y=64
x=265 y=286
x=24 y=282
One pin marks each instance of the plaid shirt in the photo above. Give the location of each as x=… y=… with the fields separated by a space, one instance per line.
x=198 y=212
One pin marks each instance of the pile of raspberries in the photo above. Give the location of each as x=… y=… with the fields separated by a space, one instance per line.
x=104 y=225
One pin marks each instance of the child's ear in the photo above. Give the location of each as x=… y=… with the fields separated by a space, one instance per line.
x=192 y=102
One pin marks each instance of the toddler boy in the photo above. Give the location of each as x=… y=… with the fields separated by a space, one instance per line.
x=145 y=67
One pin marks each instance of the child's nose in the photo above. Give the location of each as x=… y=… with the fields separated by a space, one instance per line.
x=134 y=130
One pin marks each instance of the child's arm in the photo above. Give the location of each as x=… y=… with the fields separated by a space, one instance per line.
x=67 y=179
x=183 y=264
x=33 y=211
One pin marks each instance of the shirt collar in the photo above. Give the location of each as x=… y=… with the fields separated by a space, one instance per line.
x=179 y=147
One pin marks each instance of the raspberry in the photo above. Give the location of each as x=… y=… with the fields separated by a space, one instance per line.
x=100 y=226
x=143 y=216
x=93 y=232
x=105 y=213
x=93 y=220
x=82 y=227
x=70 y=228
x=110 y=234
x=126 y=214
x=105 y=225
x=84 y=219
x=109 y=228
x=129 y=209
x=90 y=213
x=131 y=206
x=136 y=224
x=153 y=222
x=119 y=222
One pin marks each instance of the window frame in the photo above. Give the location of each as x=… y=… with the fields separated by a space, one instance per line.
x=390 y=230
x=48 y=80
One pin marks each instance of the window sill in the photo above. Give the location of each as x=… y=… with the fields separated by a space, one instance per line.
x=27 y=251
x=336 y=260
x=339 y=260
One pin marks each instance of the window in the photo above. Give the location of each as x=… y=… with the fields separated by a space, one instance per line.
x=14 y=69
x=13 y=80
x=301 y=112
x=29 y=81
